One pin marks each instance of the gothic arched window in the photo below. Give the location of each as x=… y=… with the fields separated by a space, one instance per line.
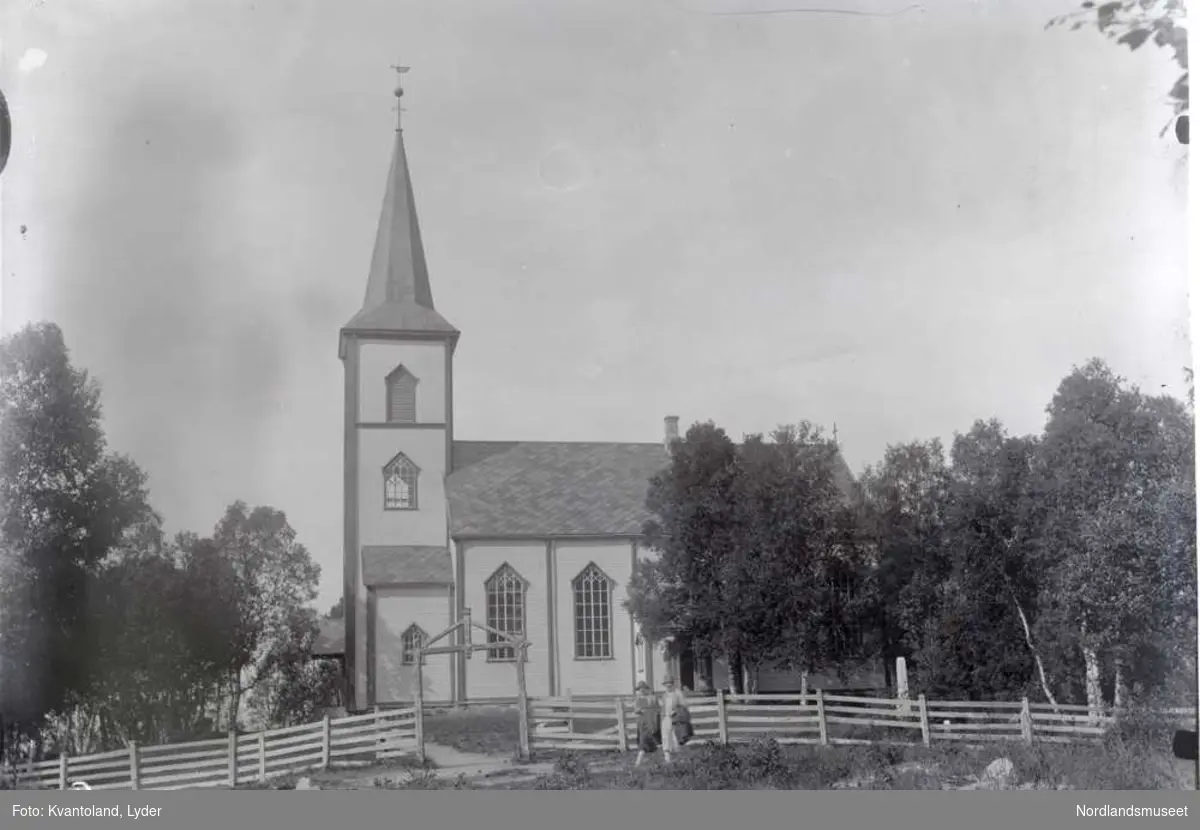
x=412 y=639
x=400 y=484
x=593 y=614
x=505 y=610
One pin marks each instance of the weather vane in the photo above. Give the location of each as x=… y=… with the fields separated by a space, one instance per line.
x=400 y=70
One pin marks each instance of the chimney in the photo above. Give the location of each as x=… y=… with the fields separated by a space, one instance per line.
x=670 y=431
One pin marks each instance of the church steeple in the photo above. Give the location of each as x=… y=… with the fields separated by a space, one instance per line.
x=398 y=298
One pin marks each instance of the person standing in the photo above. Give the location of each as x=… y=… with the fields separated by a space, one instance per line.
x=673 y=703
x=645 y=710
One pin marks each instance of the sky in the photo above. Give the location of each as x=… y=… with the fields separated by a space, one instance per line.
x=894 y=217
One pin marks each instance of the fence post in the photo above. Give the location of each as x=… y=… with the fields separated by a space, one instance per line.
x=622 y=734
x=233 y=747
x=924 y=720
x=523 y=720
x=821 y=723
x=135 y=771
x=326 y=741
x=62 y=770
x=419 y=728
x=378 y=728
x=1026 y=721
x=570 y=714
x=262 y=756
x=722 y=717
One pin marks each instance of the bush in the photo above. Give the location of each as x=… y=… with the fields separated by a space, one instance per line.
x=765 y=764
x=423 y=779
x=571 y=772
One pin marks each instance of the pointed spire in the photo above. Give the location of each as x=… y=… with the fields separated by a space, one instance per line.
x=398 y=296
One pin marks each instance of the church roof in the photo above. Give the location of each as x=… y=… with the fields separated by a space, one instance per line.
x=540 y=489
x=406 y=564
x=398 y=297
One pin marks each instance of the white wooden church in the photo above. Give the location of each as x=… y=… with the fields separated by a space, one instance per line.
x=538 y=539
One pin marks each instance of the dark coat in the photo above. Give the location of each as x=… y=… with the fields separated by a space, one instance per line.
x=682 y=724
x=649 y=728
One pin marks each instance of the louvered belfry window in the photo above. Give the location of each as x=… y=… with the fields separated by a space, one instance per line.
x=401 y=397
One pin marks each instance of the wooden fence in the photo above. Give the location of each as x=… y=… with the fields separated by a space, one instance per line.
x=573 y=724
x=238 y=759
x=823 y=719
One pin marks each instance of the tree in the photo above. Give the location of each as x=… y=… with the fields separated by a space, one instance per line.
x=1114 y=526
x=270 y=578
x=65 y=504
x=1134 y=23
x=298 y=686
x=161 y=661
x=904 y=514
x=757 y=552
x=991 y=583
x=676 y=596
x=338 y=610
x=792 y=582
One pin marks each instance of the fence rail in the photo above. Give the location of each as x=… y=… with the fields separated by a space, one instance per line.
x=240 y=758
x=563 y=723
x=823 y=719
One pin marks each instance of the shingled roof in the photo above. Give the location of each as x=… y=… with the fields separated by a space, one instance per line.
x=398 y=297
x=406 y=565
x=540 y=489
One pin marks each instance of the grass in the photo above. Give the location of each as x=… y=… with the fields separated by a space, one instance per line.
x=1133 y=757
x=288 y=781
x=489 y=731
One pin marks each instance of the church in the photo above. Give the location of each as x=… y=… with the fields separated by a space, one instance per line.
x=537 y=539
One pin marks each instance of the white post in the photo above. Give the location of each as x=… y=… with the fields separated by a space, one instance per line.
x=326 y=742
x=822 y=725
x=262 y=756
x=722 y=717
x=233 y=759
x=622 y=734
x=924 y=720
x=905 y=705
x=135 y=773
x=1026 y=721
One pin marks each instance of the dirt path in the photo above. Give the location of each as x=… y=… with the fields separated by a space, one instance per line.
x=449 y=763
x=452 y=763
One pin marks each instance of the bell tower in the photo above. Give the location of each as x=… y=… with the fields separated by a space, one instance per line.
x=397 y=353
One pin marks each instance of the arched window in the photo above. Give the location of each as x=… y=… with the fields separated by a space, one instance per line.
x=412 y=639
x=505 y=610
x=400 y=484
x=401 y=397
x=593 y=614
